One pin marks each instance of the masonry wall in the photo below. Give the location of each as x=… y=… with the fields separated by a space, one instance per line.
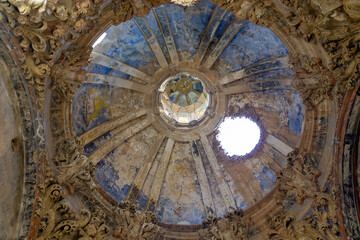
x=11 y=166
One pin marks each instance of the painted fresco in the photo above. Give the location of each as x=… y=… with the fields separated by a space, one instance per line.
x=281 y=114
x=124 y=101
x=97 y=68
x=180 y=199
x=94 y=104
x=151 y=20
x=116 y=172
x=255 y=82
x=262 y=174
x=126 y=43
x=145 y=191
x=220 y=208
x=281 y=111
x=92 y=146
x=90 y=107
x=188 y=25
x=228 y=18
x=251 y=45
x=276 y=154
x=239 y=200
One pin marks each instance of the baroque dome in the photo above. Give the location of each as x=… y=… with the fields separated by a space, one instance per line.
x=150 y=131
x=112 y=113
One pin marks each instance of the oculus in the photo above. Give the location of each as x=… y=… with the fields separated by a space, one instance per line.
x=238 y=136
x=183 y=98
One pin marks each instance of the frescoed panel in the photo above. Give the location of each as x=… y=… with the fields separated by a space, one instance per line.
x=180 y=199
x=239 y=200
x=127 y=44
x=145 y=191
x=116 y=172
x=262 y=174
x=251 y=45
x=151 y=20
x=277 y=155
x=281 y=111
x=220 y=208
x=97 y=68
x=90 y=107
x=225 y=21
x=94 y=104
x=123 y=101
x=272 y=75
x=188 y=25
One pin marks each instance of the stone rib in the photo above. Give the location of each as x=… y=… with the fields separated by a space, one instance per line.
x=116 y=81
x=230 y=32
x=117 y=140
x=219 y=176
x=151 y=40
x=113 y=63
x=160 y=176
x=203 y=180
x=164 y=25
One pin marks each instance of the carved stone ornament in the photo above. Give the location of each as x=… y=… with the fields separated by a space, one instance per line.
x=336 y=27
x=312 y=79
x=53 y=55
x=233 y=226
x=133 y=224
x=298 y=180
x=59 y=221
x=320 y=224
x=74 y=169
x=46 y=27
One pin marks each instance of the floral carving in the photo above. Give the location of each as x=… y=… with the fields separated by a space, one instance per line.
x=312 y=79
x=44 y=28
x=286 y=227
x=26 y=6
x=321 y=223
x=299 y=179
x=59 y=221
x=336 y=27
x=233 y=226
x=133 y=224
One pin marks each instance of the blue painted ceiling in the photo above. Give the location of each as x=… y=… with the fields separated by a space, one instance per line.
x=181 y=201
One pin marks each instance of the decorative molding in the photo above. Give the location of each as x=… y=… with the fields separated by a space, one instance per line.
x=59 y=221
x=299 y=180
x=320 y=223
x=31 y=145
x=233 y=226
x=313 y=81
x=50 y=35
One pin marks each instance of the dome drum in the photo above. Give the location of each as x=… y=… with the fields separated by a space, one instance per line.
x=211 y=107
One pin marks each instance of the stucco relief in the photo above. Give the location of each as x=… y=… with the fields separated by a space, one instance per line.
x=43 y=38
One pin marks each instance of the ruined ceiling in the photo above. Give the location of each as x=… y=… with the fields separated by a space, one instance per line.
x=184 y=175
x=118 y=140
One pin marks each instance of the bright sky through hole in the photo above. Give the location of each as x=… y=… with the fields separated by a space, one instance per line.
x=238 y=136
x=99 y=39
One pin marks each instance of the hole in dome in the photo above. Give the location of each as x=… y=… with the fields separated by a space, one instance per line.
x=99 y=40
x=238 y=136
